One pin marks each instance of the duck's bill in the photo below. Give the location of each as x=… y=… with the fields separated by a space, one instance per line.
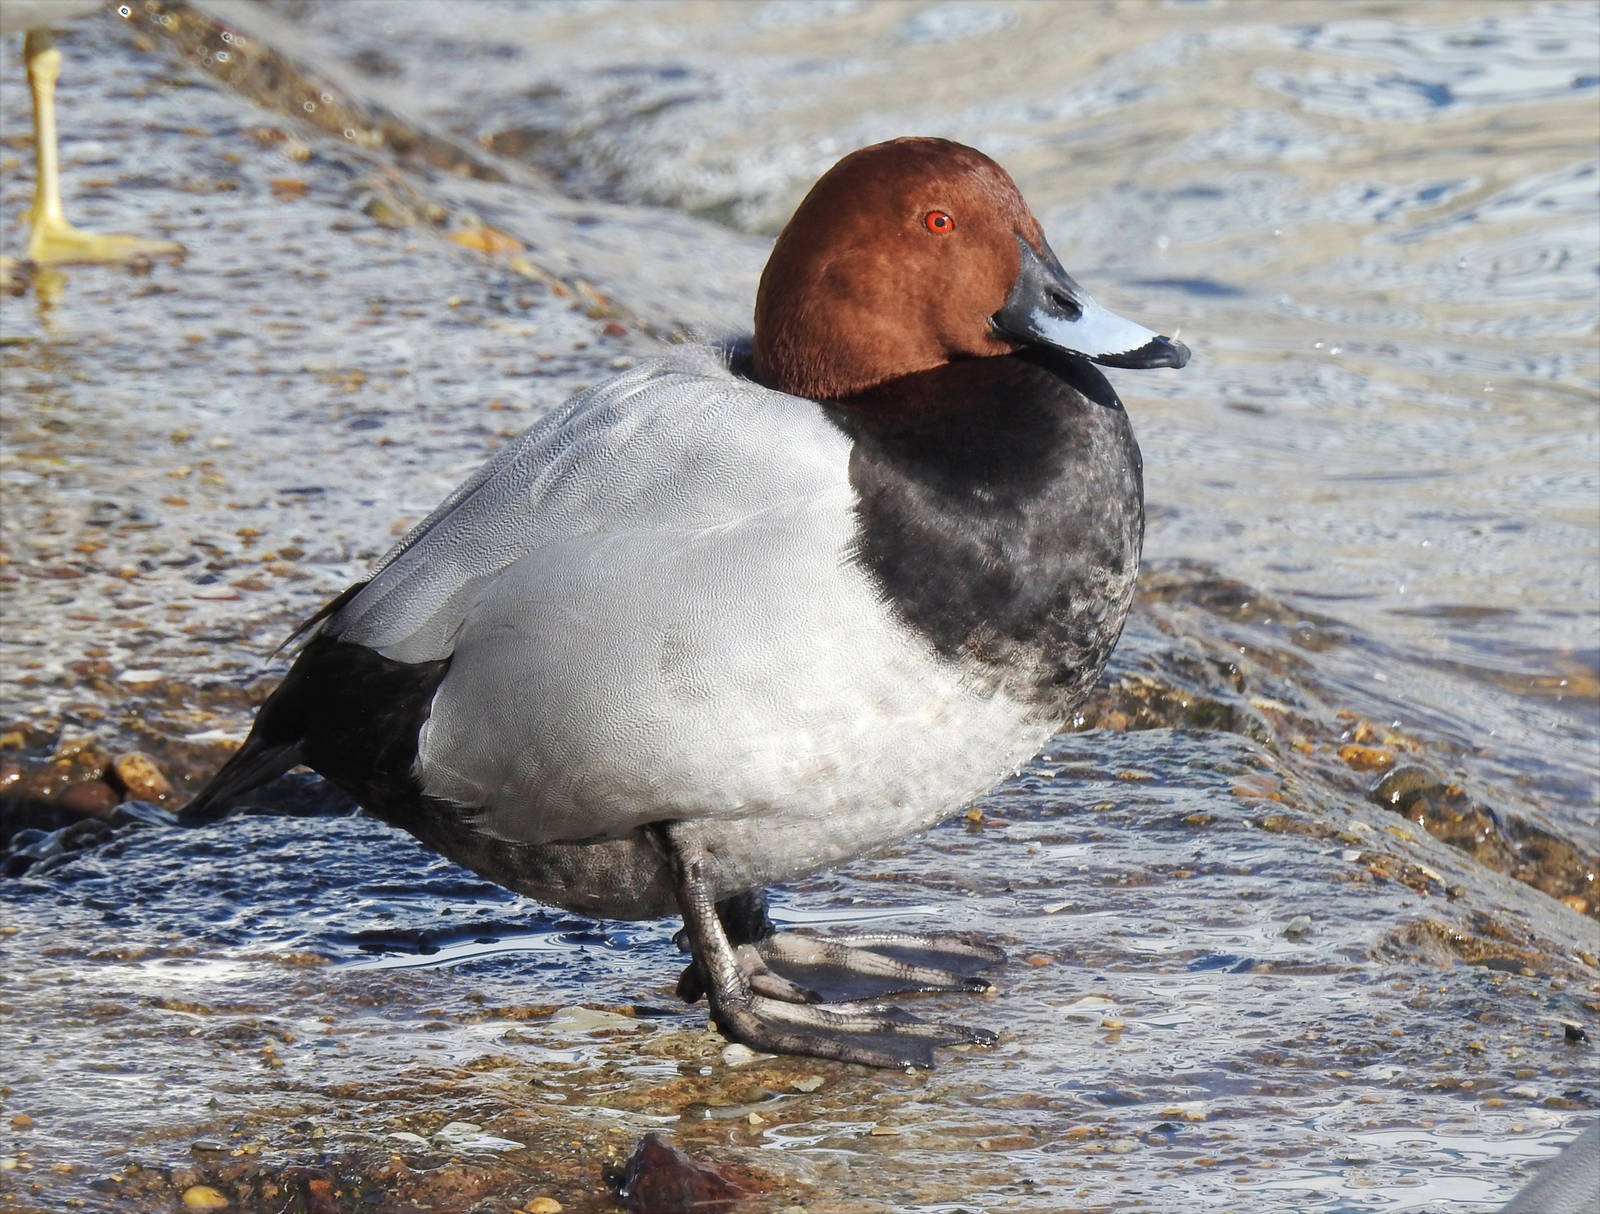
x=1046 y=307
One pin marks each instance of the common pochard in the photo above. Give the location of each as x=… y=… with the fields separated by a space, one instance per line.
x=743 y=613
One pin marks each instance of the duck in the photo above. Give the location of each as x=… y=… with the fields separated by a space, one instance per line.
x=750 y=610
x=52 y=239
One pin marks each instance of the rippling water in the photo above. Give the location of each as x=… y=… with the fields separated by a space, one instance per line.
x=1374 y=498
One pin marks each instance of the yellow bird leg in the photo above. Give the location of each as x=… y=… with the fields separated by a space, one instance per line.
x=52 y=240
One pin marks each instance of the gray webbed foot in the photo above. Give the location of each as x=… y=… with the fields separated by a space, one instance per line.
x=791 y=993
x=863 y=965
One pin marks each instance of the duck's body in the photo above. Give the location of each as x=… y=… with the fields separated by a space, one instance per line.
x=806 y=632
x=722 y=621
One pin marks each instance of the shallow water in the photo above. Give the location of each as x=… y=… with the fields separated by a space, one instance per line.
x=1238 y=980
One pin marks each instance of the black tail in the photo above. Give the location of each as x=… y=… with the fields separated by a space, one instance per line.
x=268 y=752
x=256 y=762
x=344 y=710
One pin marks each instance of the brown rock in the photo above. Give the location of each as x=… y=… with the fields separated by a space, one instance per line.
x=89 y=799
x=661 y=1179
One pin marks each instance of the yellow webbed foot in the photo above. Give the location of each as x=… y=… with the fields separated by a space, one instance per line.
x=59 y=243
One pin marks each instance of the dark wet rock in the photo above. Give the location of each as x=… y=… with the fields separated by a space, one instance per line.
x=1400 y=787
x=661 y=1179
x=1549 y=863
x=34 y=850
x=1489 y=942
x=38 y=851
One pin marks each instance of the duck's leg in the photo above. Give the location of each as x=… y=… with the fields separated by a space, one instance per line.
x=766 y=1011
x=52 y=240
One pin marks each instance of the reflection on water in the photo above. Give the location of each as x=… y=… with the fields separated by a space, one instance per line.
x=1236 y=980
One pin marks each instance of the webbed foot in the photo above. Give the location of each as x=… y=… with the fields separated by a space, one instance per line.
x=763 y=986
x=54 y=241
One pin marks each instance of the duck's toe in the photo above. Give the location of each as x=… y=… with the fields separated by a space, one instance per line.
x=870 y=964
x=866 y=1034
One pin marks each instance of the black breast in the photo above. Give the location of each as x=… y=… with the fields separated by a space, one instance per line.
x=1001 y=509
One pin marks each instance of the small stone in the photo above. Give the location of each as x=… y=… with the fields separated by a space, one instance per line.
x=737 y=1055
x=1366 y=758
x=204 y=1197
x=1122 y=1146
x=22 y=1122
x=1300 y=925
x=139 y=777
x=542 y=1205
x=806 y=1083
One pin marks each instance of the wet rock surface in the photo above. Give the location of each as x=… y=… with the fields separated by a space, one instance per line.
x=1283 y=933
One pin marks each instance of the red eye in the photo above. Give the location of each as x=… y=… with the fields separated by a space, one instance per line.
x=938 y=222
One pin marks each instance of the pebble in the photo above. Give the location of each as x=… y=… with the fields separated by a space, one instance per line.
x=204 y=1197
x=737 y=1055
x=1300 y=925
x=542 y=1205
x=139 y=777
x=1089 y=1007
x=1366 y=758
